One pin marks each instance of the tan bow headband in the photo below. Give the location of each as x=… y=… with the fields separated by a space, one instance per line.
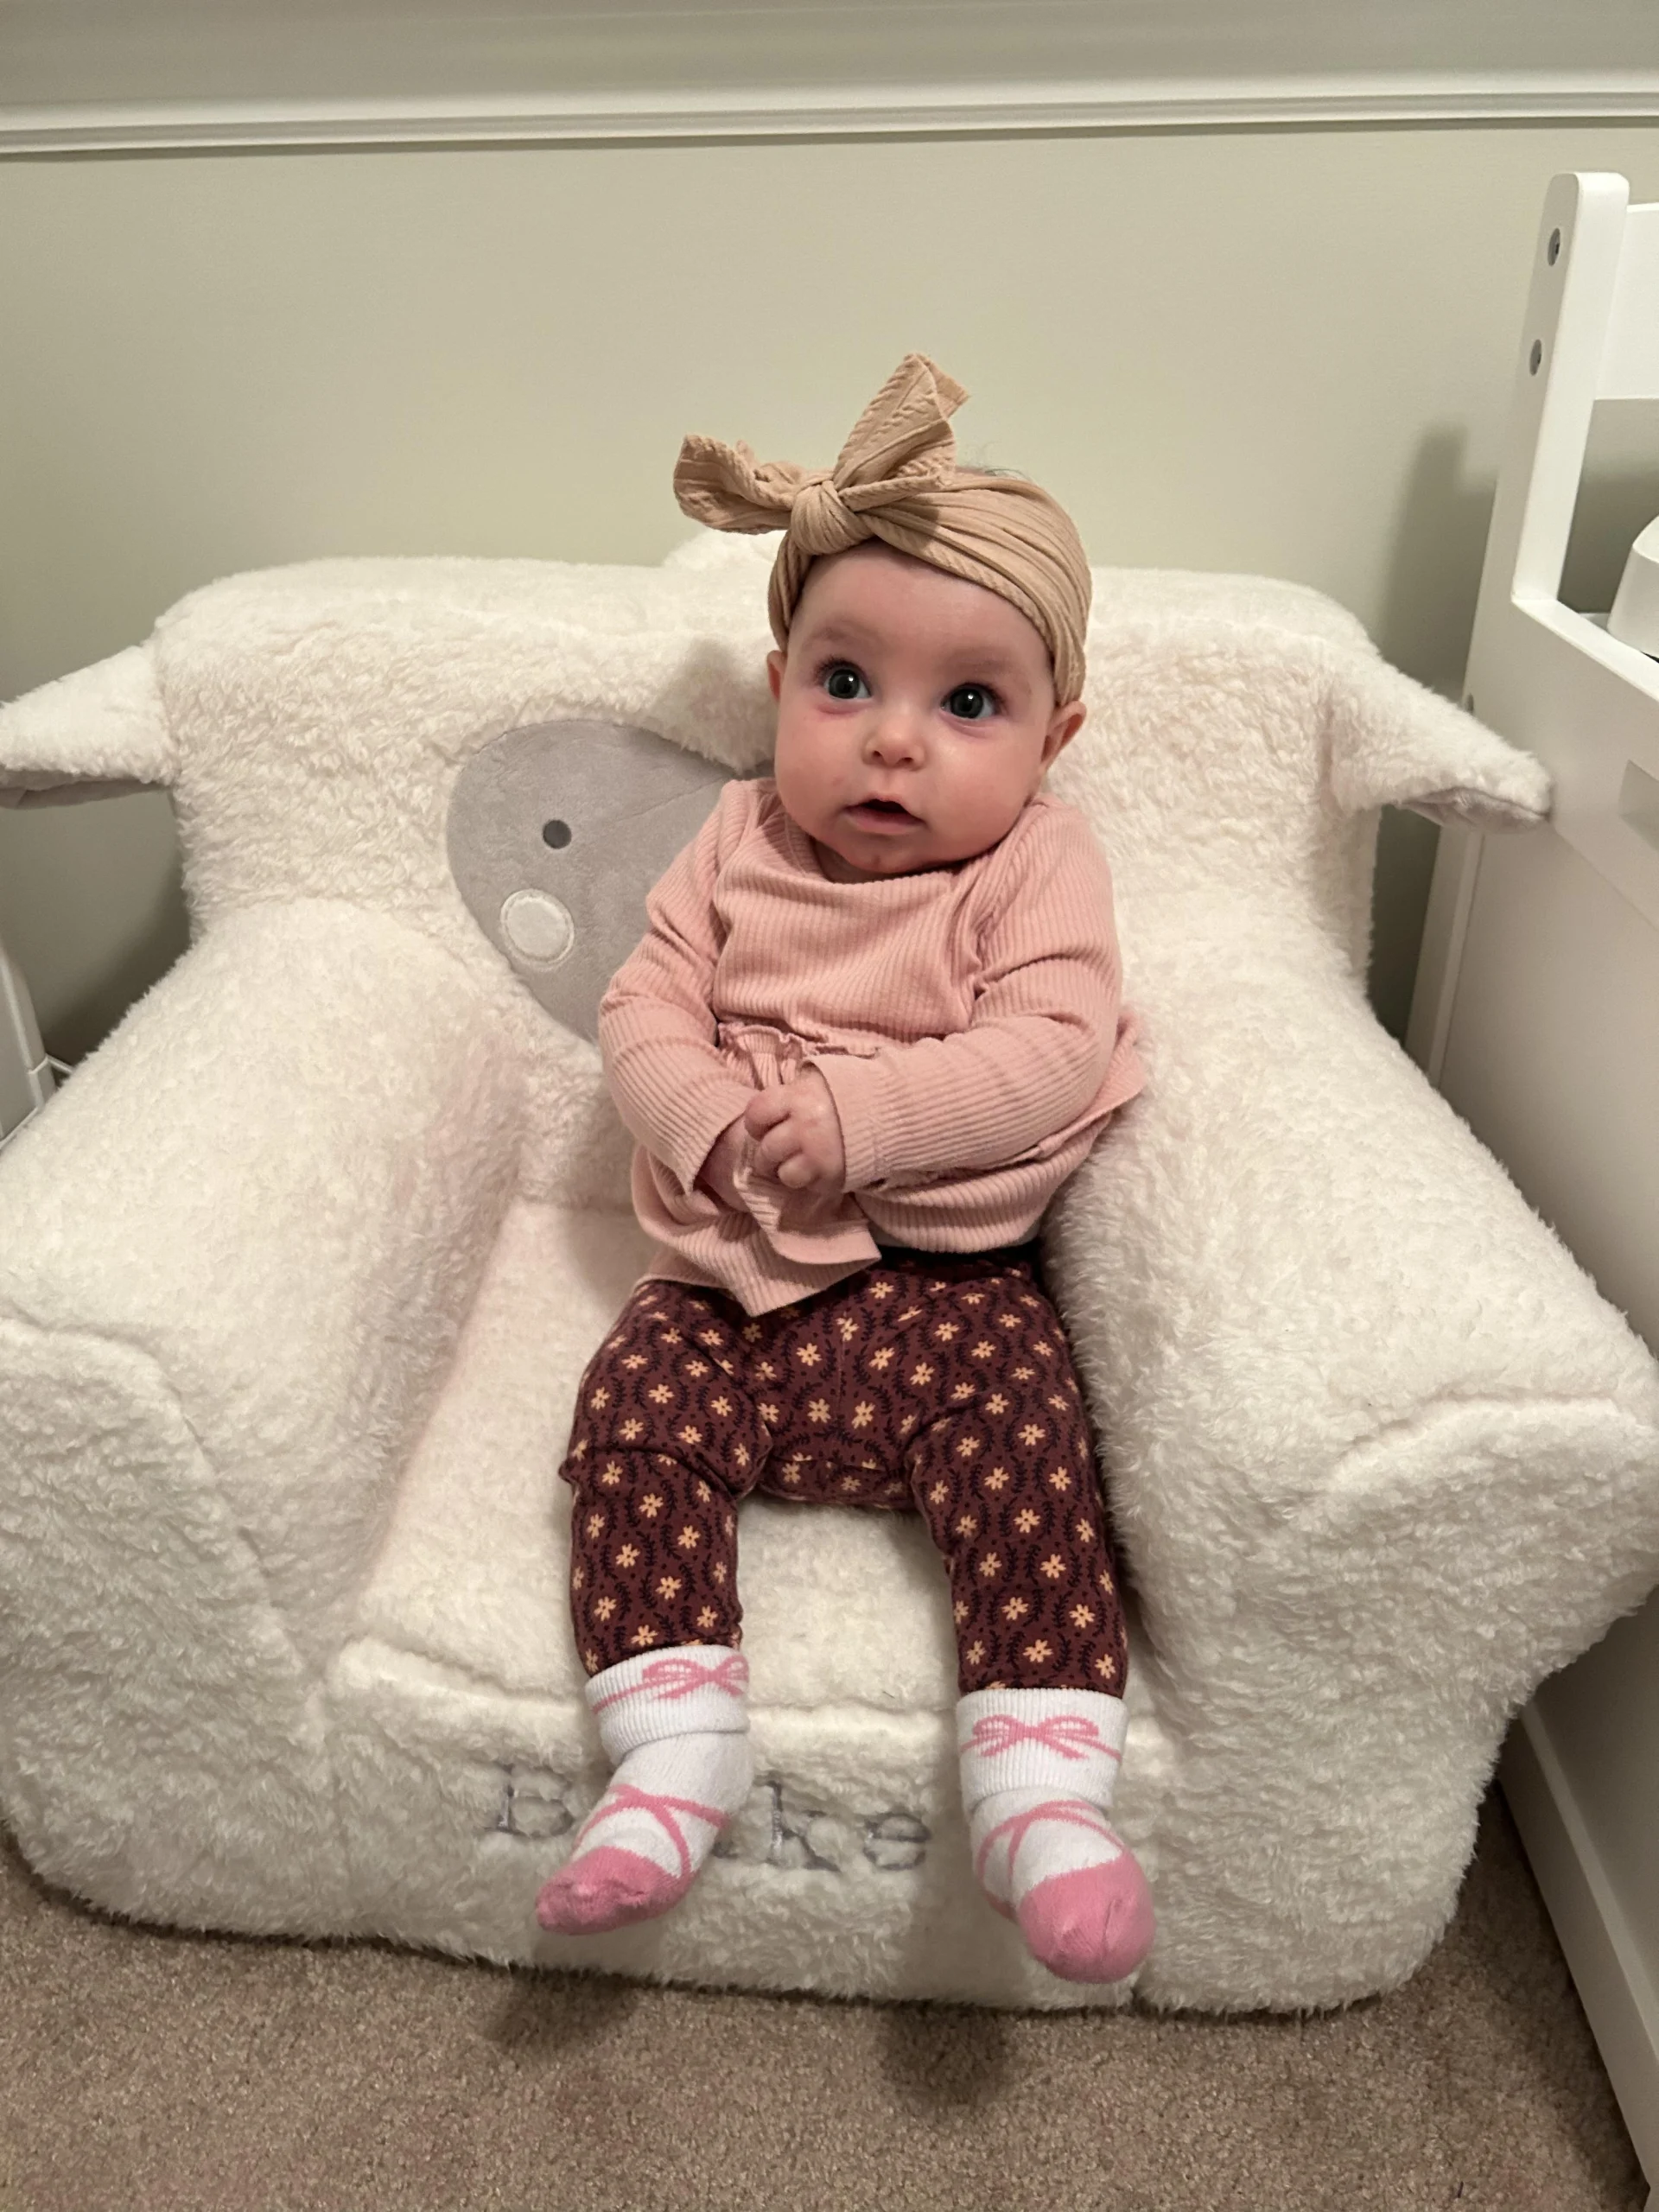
x=897 y=479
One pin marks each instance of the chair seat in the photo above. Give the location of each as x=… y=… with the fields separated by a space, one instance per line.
x=461 y=1730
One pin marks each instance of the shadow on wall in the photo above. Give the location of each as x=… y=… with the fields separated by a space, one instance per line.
x=141 y=961
x=1612 y=512
x=91 y=909
x=1428 y=615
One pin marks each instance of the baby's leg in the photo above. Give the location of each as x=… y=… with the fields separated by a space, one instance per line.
x=1010 y=1490
x=663 y=1445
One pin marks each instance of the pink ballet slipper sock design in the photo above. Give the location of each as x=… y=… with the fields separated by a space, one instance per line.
x=675 y=1727
x=1038 y=1771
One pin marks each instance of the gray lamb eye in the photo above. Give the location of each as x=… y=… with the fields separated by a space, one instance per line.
x=557 y=834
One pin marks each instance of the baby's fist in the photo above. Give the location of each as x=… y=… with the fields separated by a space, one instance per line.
x=796 y=1133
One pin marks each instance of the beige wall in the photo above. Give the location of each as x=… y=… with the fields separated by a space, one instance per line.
x=1284 y=352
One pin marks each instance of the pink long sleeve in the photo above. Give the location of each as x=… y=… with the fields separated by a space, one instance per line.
x=967 y=1021
x=658 y=1035
x=1041 y=1033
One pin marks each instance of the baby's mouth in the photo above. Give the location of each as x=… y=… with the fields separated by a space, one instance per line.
x=882 y=814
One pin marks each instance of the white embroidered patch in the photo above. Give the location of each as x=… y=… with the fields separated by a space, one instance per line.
x=779 y=1827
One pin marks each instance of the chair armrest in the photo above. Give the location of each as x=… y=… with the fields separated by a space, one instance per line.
x=1290 y=1256
x=280 y=1179
x=1380 y=1455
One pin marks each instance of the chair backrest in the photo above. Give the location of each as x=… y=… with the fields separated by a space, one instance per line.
x=390 y=733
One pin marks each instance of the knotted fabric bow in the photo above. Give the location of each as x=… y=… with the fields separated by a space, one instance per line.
x=896 y=479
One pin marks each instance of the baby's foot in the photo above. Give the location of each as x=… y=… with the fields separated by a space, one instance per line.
x=1055 y=1866
x=676 y=1724
x=640 y=1848
x=1038 y=1771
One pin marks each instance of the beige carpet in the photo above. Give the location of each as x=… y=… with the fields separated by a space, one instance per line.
x=166 y=2073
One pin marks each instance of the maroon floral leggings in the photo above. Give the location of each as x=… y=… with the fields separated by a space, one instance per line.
x=934 y=1380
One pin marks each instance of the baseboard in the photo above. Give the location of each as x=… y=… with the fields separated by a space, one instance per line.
x=1618 y=1998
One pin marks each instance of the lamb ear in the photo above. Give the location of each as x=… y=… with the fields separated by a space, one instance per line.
x=1395 y=743
x=102 y=730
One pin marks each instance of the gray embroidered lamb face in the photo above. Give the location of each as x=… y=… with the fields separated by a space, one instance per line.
x=555 y=833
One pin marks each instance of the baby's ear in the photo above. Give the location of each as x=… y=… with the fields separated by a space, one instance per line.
x=1062 y=727
x=777 y=660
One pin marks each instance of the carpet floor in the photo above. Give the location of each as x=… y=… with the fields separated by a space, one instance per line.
x=143 y=2071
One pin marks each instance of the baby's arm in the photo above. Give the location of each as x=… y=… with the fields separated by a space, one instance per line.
x=656 y=1031
x=1040 y=1041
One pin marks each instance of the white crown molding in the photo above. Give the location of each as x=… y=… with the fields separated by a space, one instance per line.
x=901 y=111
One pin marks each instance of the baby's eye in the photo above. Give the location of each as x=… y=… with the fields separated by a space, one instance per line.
x=842 y=681
x=971 y=702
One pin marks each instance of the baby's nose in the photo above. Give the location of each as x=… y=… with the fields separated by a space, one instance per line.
x=896 y=734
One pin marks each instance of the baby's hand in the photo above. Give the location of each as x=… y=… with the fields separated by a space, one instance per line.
x=797 y=1134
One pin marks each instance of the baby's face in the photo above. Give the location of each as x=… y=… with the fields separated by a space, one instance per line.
x=916 y=715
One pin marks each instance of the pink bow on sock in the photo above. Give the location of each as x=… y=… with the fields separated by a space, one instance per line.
x=1067 y=1734
x=678 y=1678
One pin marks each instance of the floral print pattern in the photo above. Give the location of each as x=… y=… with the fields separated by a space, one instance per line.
x=933 y=1381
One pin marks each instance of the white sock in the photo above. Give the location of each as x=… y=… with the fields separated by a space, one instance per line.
x=675 y=1727
x=1039 y=1768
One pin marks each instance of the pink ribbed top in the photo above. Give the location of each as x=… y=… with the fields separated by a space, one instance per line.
x=968 y=1020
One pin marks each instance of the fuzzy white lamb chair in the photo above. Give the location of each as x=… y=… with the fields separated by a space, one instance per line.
x=299 y=1272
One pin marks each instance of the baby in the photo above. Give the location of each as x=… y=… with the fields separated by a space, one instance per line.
x=875 y=1023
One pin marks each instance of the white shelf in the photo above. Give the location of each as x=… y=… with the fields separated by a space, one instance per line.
x=1537 y=1012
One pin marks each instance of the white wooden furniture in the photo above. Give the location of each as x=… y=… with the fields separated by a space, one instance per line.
x=1537 y=1012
